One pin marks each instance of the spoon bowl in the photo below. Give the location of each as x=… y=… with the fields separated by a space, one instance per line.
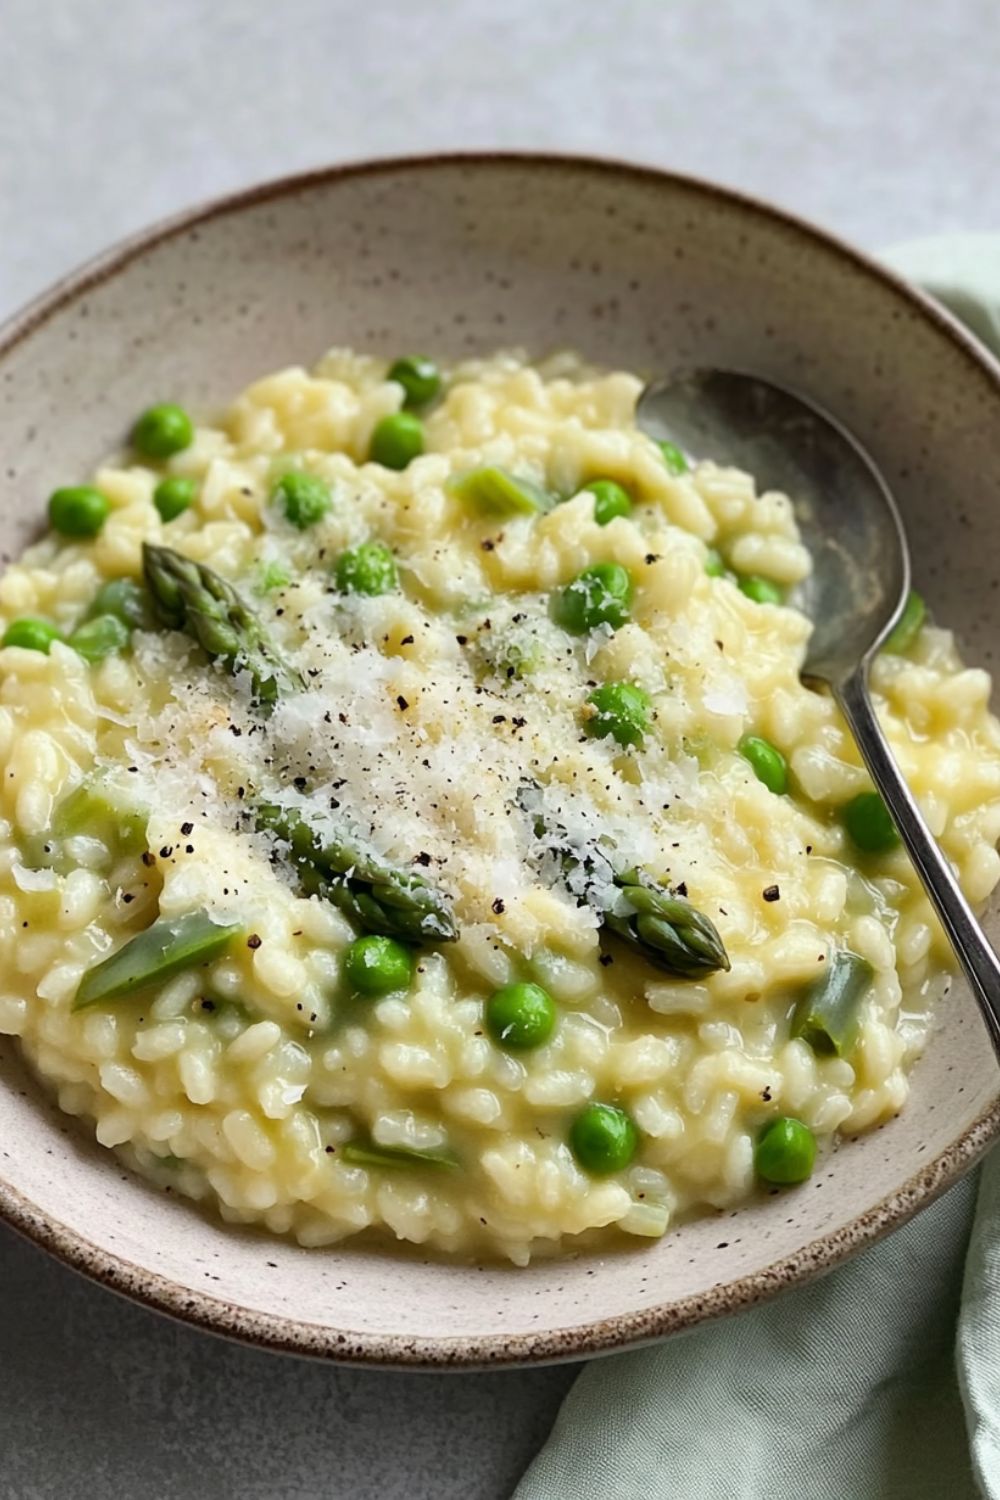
x=857 y=591
x=845 y=512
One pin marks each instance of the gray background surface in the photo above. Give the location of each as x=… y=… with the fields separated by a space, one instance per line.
x=878 y=118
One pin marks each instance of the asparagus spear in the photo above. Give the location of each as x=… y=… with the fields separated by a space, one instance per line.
x=171 y=944
x=827 y=1013
x=374 y=896
x=668 y=931
x=665 y=929
x=190 y=597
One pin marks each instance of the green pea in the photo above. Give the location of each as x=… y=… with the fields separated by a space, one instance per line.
x=600 y=595
x=715 y=567
x=78 y=510
x=868 y=824
x=622 y=712
x=100 y=637
x=397 y=440
x=31 y=634
x=603 y=1138
x=520 y=1016
x=762 y=590
x=376 y=965
x=126 y=599
x=786 y=1152
x=419 y=377
x=173 y=496
x=304 y=499
x=162 y=431
x=908 y=626
x=673 y=458
x=767 y=762
x=610 y=500
x=368 y=568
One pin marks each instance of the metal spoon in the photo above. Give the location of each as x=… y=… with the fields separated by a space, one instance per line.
x=856 y=594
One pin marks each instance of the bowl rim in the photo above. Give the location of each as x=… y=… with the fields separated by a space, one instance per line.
x=470 y=1351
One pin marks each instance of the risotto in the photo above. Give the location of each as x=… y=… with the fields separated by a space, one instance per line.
x=414 y=821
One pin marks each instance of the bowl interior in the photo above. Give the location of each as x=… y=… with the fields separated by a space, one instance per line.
x=456 y=256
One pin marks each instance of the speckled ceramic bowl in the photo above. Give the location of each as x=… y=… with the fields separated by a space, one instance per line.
x=454 y=255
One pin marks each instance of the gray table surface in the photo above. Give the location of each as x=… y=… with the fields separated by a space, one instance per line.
x=879 y=119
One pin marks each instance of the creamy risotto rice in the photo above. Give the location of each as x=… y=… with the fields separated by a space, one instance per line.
x=325 y=901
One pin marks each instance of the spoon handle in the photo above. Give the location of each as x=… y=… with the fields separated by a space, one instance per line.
x=978 y=960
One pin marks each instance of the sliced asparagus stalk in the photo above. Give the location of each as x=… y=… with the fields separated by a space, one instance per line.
x=828 y=1012
x=190 y=597
x=495 y=491
x=171 y=944
x=90 y=807
x=367 y=1154
x=376 y=897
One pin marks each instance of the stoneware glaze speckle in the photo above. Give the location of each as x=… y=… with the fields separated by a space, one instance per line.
x=457 y=255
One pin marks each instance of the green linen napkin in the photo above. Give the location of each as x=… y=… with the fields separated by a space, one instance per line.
x=880 y=1382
